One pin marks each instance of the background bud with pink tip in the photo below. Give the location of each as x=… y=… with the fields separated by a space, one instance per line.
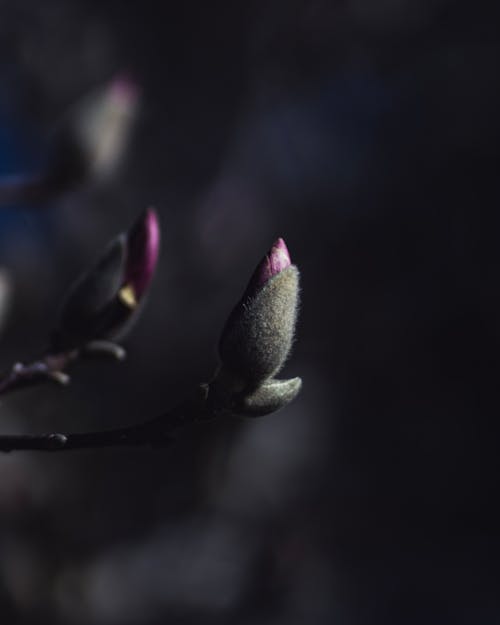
x=104 y=302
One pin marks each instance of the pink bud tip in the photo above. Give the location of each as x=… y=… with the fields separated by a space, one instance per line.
x=273 y=263
x=278 y=257
x=124 y=89
x=143 y=247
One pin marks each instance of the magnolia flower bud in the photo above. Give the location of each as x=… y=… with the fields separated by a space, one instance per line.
x=105 y=300
x=258 y=335
x=86 y=146
x=91 y=141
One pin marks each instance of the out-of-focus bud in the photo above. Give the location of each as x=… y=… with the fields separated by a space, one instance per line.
x=104 y=301
x=257 y=338
x=86 y=308
x=89 y=145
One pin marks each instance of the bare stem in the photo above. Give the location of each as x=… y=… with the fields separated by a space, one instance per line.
x=49 y=368
x=153 y=433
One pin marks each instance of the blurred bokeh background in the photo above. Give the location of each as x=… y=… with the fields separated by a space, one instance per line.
x=364 y=133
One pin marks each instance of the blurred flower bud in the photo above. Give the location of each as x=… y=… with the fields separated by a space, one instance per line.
x=256 y=341
x=90 y=143
x=86 y=146
x=105 y=300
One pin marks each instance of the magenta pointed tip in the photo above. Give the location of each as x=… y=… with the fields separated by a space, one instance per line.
x=143 y=251
x=152 y=225
x=279 y=257
x=273 y=263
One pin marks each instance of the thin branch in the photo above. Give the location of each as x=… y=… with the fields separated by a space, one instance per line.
x=153 y=433
x=51 y=367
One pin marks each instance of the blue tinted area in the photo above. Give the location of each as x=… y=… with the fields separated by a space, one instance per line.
x=20 y=153
x=321 y=137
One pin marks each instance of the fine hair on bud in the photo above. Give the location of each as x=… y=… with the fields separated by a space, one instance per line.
x=270 y=396
x=259 y=333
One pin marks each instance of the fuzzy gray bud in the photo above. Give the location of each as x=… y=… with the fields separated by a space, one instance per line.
x=259 y=332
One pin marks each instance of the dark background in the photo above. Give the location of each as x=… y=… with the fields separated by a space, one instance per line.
x=365 y=133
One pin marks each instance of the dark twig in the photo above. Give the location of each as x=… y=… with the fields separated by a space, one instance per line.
x=153 y=433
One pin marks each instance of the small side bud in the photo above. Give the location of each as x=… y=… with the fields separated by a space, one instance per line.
x=269 y=397
x=258 y=335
